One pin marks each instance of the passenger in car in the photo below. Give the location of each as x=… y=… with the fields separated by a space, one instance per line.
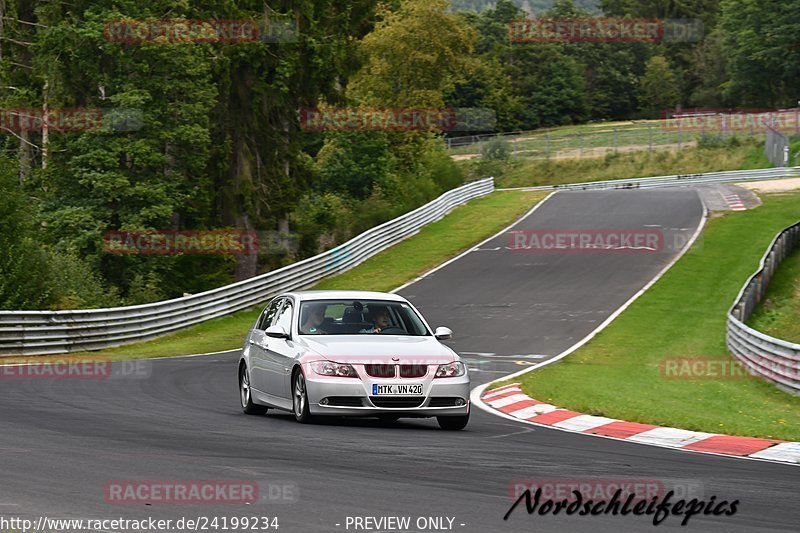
x=315 y=315
x=380 y=319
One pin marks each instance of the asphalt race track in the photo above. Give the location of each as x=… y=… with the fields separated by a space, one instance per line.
x=63 y=441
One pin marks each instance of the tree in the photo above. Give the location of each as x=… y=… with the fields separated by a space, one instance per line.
x=263 y=86
x=610 y=69
x=761 y=40
x=25 y=279
x=148 y=174
x=489 y=85
x=415 y=56
x=709 y=70
x=700 y=15
x=657 y=88
x=350 y=163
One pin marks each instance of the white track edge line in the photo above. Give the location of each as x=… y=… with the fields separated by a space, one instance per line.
x=475 y=395
x=465 y=252
x=473 y=248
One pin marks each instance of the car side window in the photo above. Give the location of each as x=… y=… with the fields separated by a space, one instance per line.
x=269 y=313
x=284 y=318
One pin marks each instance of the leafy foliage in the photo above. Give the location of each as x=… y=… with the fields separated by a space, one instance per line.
x=213 y=137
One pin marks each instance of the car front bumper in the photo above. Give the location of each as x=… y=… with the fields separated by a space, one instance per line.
x=434 y=390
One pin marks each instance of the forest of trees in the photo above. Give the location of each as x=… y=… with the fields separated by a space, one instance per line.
x=220 y=145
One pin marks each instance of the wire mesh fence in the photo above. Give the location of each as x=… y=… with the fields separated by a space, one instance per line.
x=595 y=141
x=776 y=147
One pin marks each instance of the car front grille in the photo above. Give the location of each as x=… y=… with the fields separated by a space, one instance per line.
x=345 y=401
x=397 y=402
x=413 y=371
x=380 y=371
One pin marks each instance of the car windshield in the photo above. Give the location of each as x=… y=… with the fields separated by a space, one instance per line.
x=359 y=317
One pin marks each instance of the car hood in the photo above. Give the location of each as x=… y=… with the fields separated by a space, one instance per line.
x=372 y=349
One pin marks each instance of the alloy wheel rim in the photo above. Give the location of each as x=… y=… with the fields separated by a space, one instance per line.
x=245 y=388
x=299 y=395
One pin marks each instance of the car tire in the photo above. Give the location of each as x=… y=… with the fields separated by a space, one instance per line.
x=300 y=399
x=245 y=397
x=453 y=423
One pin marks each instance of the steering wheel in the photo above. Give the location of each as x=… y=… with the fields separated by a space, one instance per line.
x=393 y=329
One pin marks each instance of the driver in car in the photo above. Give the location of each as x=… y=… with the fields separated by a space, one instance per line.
x=314 y=318
x=380 y=319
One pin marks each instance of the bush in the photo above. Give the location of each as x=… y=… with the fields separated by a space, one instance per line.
x=349 y=164
x=495 y=149
x=709 y=140
x=440 y=167
x=25 y=281
x=145 y=288
x=75 y=285
x=715 y=140
x=321 y=220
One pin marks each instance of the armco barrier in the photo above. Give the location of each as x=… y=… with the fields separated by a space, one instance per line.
x=678 y=180
x=774 y=359
x=53 y=332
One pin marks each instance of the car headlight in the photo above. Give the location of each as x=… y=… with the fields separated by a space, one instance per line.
x=339 y=370
x=451 y=370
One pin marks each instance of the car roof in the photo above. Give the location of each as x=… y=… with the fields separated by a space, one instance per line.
x=345 y=295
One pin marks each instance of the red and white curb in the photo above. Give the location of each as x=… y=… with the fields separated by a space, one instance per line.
x=734 y=202
x=512 y=402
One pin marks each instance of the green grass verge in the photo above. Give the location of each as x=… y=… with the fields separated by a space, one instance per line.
x=530 y=173
x=464 y=227
x=618 y=374
x=794 y=150
x=779 y=313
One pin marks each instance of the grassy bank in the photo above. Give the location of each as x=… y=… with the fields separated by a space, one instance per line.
x=530 y=173
x=618 y=374
x=779 y=313
x=462 y=228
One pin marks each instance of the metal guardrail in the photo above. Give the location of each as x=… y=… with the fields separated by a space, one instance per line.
x=54 y=332
x=678 y=180
x=774 y=359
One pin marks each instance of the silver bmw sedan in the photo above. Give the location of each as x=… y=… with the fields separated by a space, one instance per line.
x=351 y=353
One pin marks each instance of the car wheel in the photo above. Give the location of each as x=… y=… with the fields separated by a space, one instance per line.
x=245 y=398
x=453 y=423
x=300 y=399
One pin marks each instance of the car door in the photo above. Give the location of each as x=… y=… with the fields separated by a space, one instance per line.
x=280 y=352
x=259 y=359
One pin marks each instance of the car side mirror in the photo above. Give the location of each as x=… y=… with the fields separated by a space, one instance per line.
x=276 y=332
x=442 y=333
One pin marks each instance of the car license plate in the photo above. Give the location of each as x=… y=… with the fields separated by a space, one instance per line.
x=413 y=389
